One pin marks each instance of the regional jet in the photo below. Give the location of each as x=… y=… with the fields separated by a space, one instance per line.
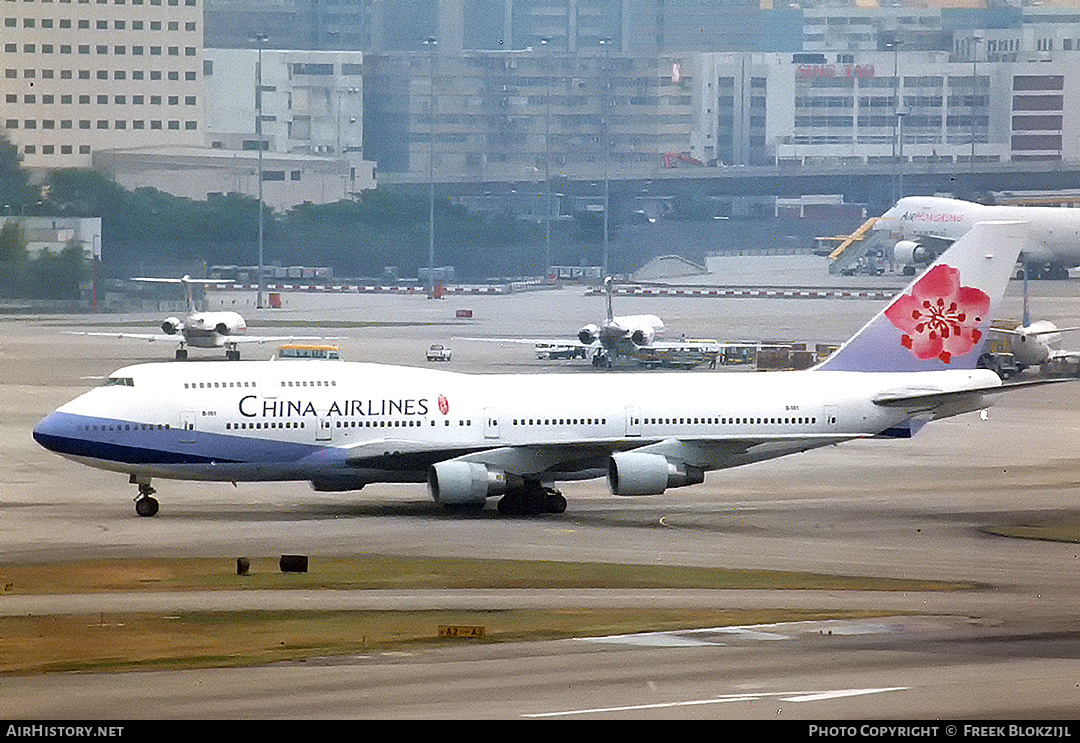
x=623 y=336
x=220 y=329
x=918 y=228
x=1035 y=343
x=472 y=437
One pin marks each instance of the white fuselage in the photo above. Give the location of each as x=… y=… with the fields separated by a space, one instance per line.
x=211 y=329
x=622 y=334
x=358 y=423
x=1054 y=231
x=1034 y=344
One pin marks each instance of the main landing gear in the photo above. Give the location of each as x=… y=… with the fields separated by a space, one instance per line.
x=535 y=500
x=145 y=502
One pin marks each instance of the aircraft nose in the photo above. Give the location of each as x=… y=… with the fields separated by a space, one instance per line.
x=51 y=431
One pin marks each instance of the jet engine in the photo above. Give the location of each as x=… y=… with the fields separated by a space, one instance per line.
x=910 y=253
x=172 y=325
x=221 y=329
x=589 y=334
x=633 y=473
x=643 y=336
x=467 y=483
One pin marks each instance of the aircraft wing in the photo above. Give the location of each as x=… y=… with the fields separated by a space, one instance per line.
x=582 y=460
x=696 y=344
x=1006 y=331
x=179 y=338
x=276 y=338
x=151 y=337
x=575 y=343
x=572 y=342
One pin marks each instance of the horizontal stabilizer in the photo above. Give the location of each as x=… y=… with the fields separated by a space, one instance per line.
x=913 y=396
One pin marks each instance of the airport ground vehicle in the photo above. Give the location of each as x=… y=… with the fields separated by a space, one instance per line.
x=438 y=352
x=1002 y=363
x=305 y=351
x=560 y=351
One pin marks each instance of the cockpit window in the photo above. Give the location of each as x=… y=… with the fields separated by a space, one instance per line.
x=122 y=381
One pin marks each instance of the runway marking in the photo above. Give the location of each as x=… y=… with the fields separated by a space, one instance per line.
x=652 y=639
x=715 y=636
x=684 y=638
x=818 y=696
x=663 y=705
x=786 y=696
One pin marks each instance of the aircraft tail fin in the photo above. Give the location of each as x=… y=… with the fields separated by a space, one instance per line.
x=1027 y=310
x=941 y=320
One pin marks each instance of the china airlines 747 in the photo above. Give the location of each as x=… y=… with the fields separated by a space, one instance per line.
x=472 y=437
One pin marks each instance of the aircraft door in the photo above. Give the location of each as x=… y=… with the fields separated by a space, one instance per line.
x=323 y=429
x=187 y=426
x=831 y=414
x=491 y=423
x=633 y=421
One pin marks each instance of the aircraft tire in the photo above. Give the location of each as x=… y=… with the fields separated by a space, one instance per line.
x=146 y=506
x=556 y=503
x=532 y=502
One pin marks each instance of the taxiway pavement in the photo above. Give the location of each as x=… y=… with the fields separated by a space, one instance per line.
x=917 y=509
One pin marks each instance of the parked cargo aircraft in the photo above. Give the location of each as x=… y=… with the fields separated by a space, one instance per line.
x=623 y=336
x=220 y=329
x=921 y=227
x=342 y=425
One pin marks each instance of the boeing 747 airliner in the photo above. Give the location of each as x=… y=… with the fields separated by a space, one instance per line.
x=472 y=437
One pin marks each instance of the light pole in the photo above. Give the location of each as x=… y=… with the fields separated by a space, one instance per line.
x=260 y=39
x=544 y=42
x=605 y=103
x=431 y=43
x=900 y=114
x=896 y=132
x=974 y=98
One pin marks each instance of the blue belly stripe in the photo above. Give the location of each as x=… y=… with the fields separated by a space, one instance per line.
x=68 y=434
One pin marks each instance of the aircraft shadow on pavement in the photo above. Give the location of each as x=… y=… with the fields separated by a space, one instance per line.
x=624 y=517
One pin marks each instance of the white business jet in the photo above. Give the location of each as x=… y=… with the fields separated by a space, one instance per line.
x=471 y=437
x=221 y=329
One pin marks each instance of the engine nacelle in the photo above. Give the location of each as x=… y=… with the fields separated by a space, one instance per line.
x=633 y=473
x=910 y=253
x=588 y=334
x=221 y=329
x=172 y=325
x=467 y=483
x=643 y=337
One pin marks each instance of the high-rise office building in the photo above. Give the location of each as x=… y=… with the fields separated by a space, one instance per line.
x=87 y=75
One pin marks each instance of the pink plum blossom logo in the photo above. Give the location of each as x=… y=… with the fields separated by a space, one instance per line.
x=940 y=318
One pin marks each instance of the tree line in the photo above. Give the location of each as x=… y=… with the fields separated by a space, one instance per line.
x=145 y=228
